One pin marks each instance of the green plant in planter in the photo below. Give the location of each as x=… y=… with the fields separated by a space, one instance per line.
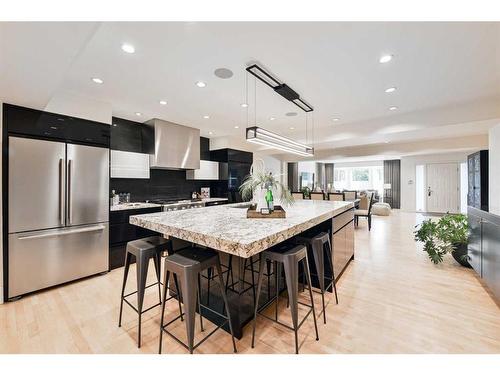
x=444 y=236
x=306 y=191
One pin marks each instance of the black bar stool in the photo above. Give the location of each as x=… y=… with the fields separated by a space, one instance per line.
x=187 y=264
x=289 y=256
x=320 y=244
x=143 y=250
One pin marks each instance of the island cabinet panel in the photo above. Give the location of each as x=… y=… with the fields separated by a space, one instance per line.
x=339 y=251
x=342 y=241
x=484 y=247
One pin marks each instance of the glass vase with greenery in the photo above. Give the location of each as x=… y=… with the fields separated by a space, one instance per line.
x=448 y=235
x=267 y=181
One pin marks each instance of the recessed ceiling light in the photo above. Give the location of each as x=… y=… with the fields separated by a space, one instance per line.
x=390 y=89
x=385 y=59
x=272 y=118
x=138 y=114
x=392 y=108
x=335 y=119
x=244 y=105
x=236 y=127
x=129 y=48
x=223 y=73
x=163 y=102
x=210 y=133
x=386 y=142
x=201 y=84
x=97 y=80
x=292 y=128
x=206 y=116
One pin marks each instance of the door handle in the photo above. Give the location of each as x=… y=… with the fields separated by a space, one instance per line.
x=61 y=191
x=63 y=233
x=70 y=195
x=429 y=191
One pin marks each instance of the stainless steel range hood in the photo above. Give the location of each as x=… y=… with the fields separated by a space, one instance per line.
x=176 y=146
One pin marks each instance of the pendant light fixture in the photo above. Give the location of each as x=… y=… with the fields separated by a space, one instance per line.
x=256 y=134
x=267 y=138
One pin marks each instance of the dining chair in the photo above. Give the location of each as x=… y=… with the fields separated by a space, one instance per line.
x=335 y=196
x=350 y=195
x=315 y=195
x=297 y=195
x=364 y=210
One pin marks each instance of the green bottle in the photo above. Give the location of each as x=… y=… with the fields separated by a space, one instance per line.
x=270 y=200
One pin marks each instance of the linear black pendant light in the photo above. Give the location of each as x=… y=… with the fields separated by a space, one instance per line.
x=281 y=88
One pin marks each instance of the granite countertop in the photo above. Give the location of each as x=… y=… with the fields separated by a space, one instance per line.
x=203 y=200
x=139 y=205
x=133 y=206
x=226 y=227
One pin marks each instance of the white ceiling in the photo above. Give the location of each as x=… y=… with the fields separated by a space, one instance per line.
x=447 y=75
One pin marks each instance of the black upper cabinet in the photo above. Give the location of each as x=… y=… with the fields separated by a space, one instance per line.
x=131 y=136
x=225 y=155
x=35 y=123
x=477 y=169
x=148 y=139
x=204 y=148
x=234 y=166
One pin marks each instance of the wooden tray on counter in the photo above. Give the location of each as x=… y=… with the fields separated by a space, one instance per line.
x=278 y=213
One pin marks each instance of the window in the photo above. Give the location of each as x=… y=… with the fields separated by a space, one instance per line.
x=359 y=178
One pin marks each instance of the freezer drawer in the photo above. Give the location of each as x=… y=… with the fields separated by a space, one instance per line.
x=41 y=259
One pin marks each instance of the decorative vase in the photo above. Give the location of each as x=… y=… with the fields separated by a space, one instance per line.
x=260 y=198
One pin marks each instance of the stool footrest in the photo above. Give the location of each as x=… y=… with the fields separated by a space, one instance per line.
x=149 y=308
x=164 y=329
x=149 y=286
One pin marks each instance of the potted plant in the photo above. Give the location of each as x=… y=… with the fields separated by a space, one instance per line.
x=306 y=191
x=449 y=234
x=259 y=182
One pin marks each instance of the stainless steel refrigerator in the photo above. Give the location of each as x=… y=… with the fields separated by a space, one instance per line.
x=58 y=213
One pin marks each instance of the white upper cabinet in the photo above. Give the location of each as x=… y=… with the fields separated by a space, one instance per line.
x=209 y=170
x=126 y=164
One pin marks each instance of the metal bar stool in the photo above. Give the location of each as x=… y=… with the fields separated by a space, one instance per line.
x=320 y=244
x=289 y=257
x=187 y=264
x=143 y=250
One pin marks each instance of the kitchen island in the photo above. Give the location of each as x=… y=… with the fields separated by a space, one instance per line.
x=239 y=241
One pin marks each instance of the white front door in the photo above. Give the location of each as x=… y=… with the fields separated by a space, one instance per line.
x=443 y=193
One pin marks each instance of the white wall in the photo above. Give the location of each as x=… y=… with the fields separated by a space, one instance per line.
x=71 y=104
x=408 y=173
x=494 y=170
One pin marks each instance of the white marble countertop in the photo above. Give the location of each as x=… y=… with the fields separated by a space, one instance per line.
x=226 y=227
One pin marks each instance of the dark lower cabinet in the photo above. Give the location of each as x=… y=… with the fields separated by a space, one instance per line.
x=121 y=232
x=484 y=247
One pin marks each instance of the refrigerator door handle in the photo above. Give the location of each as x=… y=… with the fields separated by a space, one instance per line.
x=63 y=233
x=69 y=203
x=61 y=190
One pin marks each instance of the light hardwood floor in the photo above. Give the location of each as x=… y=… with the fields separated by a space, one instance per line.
x=392 y=299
